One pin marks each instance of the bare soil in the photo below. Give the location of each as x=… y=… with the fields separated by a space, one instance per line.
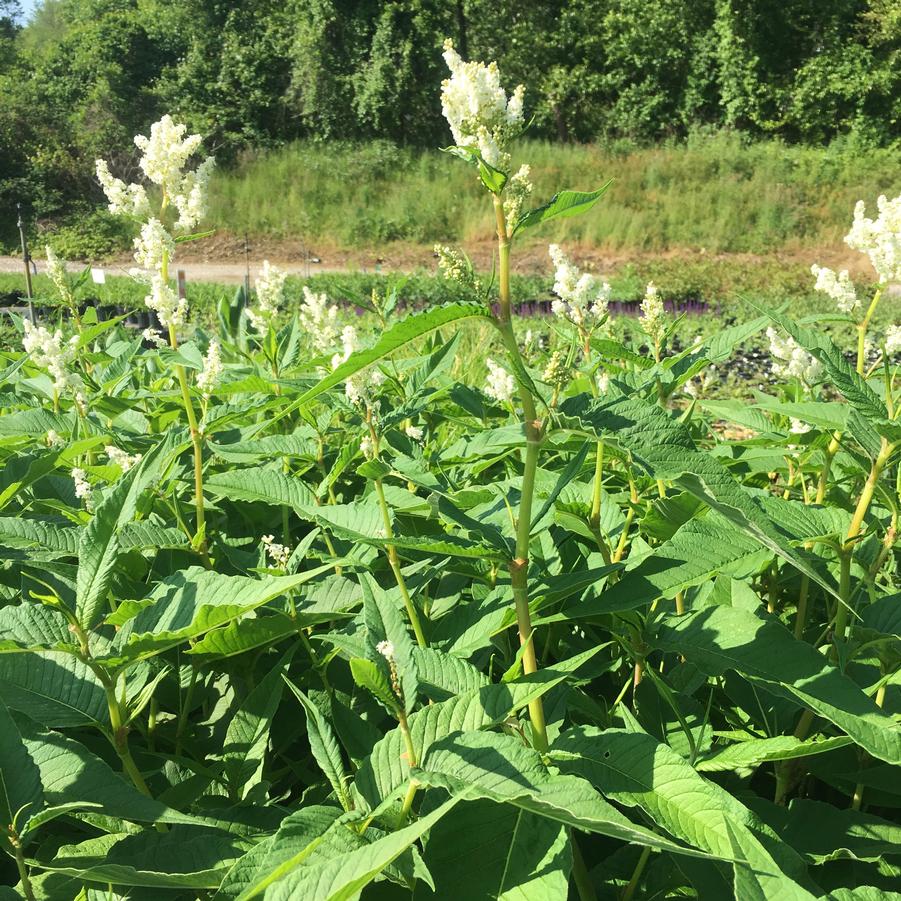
x=224 y=257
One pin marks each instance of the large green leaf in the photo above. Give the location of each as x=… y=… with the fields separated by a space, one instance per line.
x=21 y=794
x=266 y=485
x=501 y=768
x=635 y=769
x=54 y=689
x=562 y=205
x=342 y=878
x=664 y=448
x=190 y=603
x=295 y=843
x=18 y=532
x=718 y=639
x=247 y=735
x=387 y=767
x=98 y=548
x=521 y=856
x=399 y=335
x=698 y=552
x=33 y=627
x=184 y=857
x=324 y=745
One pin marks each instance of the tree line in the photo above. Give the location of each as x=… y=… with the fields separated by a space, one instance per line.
x=83 y=76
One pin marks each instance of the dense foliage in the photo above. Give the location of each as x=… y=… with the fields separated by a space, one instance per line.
x=85 y=75
x=325 y=608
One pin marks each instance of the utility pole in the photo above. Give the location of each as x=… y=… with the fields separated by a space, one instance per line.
x=26 y=259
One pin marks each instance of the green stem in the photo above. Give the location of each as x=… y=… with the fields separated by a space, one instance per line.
x=801 y=613
x=580 y=874
x=629 y=891
x=120 y=737
x=519 y=567
x=27 y=889
x=862 y=330
x=394 y=562
x=412 y=788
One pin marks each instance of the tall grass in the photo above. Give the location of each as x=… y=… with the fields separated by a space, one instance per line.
x=716 y=191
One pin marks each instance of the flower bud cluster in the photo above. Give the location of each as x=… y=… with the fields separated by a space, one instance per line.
x=319 y=320
x=455 y=267
x=165 y=153
x=893 y=339
x=209 y=376
x=82 y=487
x=121 y=458
x=49 y=351
x=879 y=238
x=499 y=384
x=838 y=286
x=517 y=190
x=652 y=313
x=581 y=298
x=279 y=554
x=270 y=288
x=790 y=360
x=477 y=108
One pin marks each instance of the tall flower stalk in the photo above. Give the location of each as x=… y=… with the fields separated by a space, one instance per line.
x=182 y=205
x=483 y=120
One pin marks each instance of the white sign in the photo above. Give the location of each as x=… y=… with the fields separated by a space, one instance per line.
x=98 y=276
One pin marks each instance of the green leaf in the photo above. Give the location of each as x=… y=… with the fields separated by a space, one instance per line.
x=868 y=410
x=385 y=623
x=21 y=794
x=754 y=884
x=184 y=858
x=369 y=676
x=17 y=532
x=99 y=545
x=634 y=769
x=664 y=448
x=248 y=633
x=73 y=777
x=501 y=768
x=751 y=753
x=296 y=842
x=718 y=639
x=247 y=736
x=34 y=627
x=190 y=603
x=55 y=689
x=269 y=486
x=441 y=675
x=521 y=856
x=324 y=746
x=342 y=878
x=399 y=335
x=700 y=550
x=561 y=205
x=387 y=767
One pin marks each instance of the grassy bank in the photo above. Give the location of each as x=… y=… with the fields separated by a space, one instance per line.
x=716 y=192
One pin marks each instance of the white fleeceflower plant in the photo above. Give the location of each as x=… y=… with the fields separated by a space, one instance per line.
x=477 y=108
x=386 y=649
x=82 y=487
x=279 y=554
x=123 y=199
x=165 y=153
x=838 y=286
x=893 y=339
x=517 y=190
x=348 y=346
x=190 y=199
x=581 y=298
x=790 y=360
x=270 y=288
x=209 y=376
x=59 y=275
x=121 y=458
x=319 y=320
x=879 y=238
x=171 y=310
x=652 y=313
x=499 y=384
x=153 y=245
x=49 y=351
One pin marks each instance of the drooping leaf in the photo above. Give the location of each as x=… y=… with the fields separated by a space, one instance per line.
x=718 y=639
x=561 y=205
x=21 y=794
